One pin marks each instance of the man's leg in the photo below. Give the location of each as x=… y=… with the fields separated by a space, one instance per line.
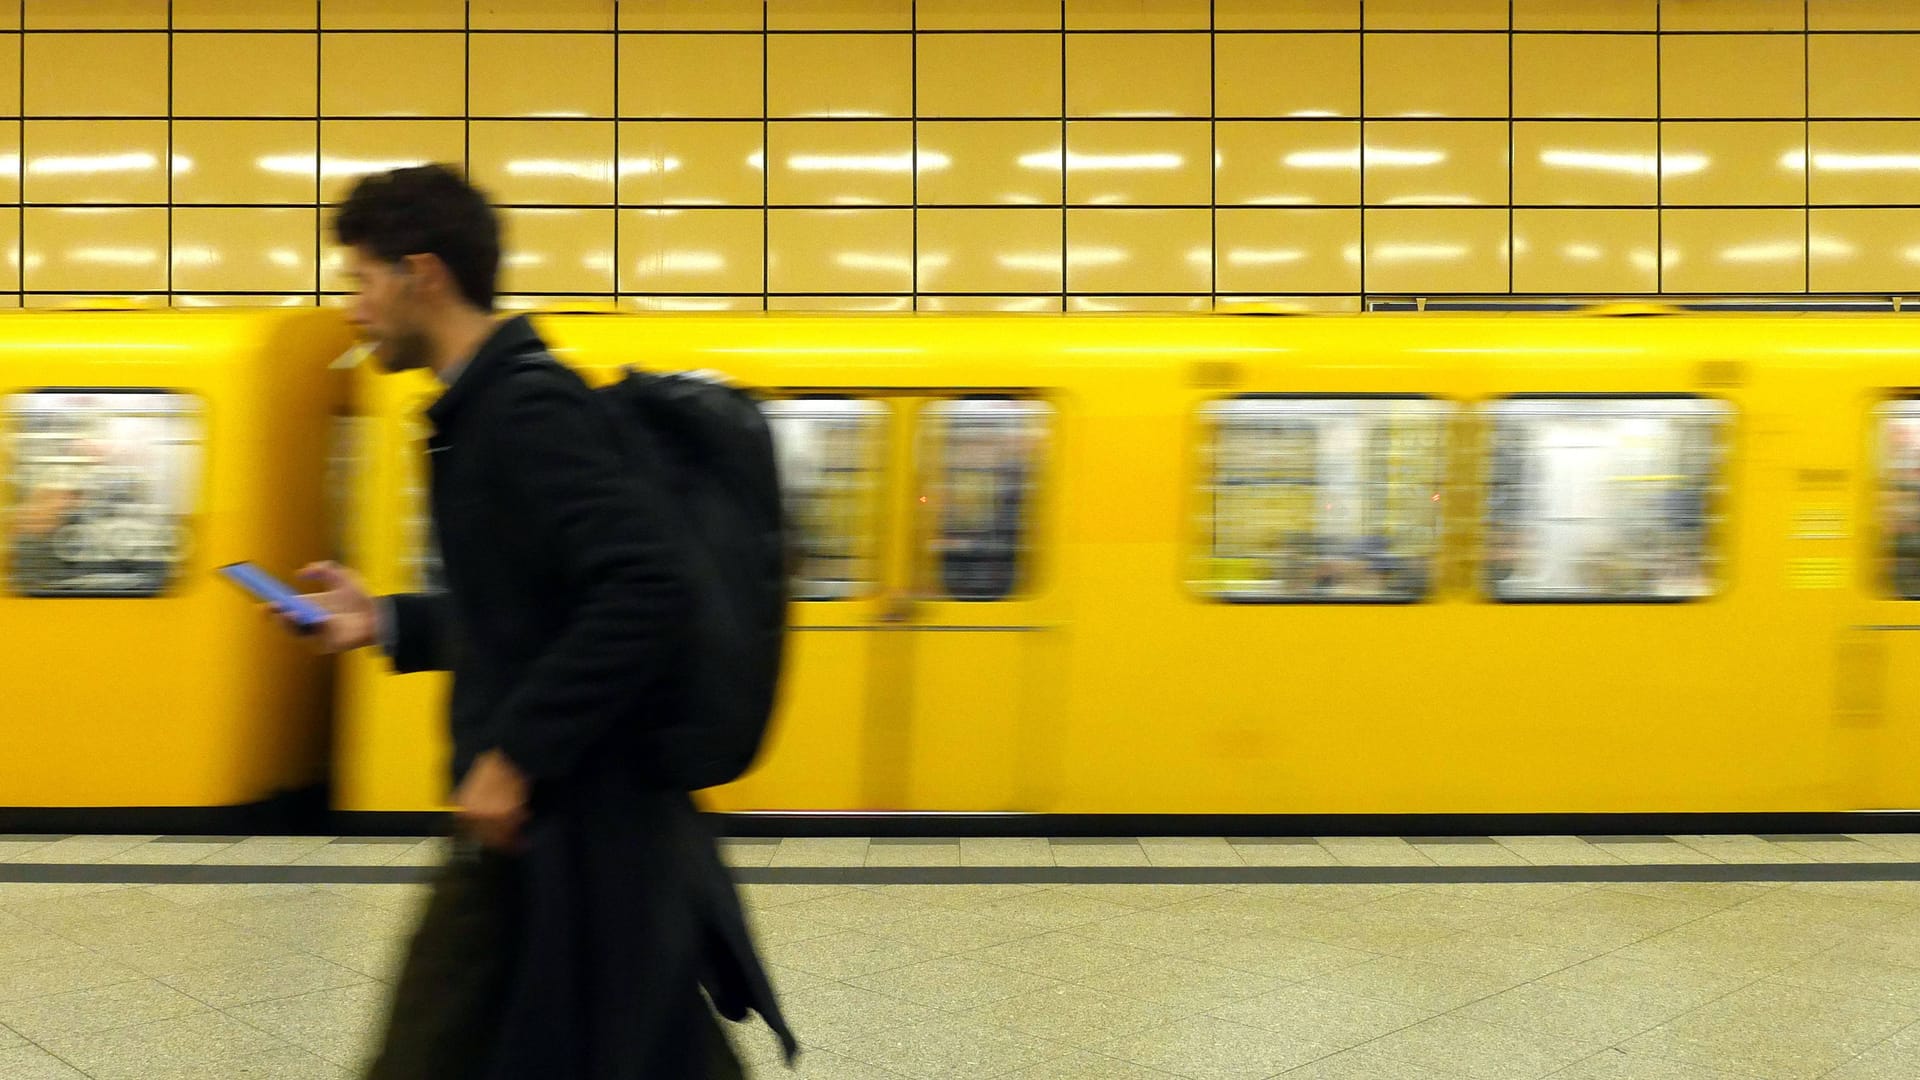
x=452 y=990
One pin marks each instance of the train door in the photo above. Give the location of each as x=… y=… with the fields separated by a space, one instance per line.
x=969 y=621
x=917 y=642
x=836 y=466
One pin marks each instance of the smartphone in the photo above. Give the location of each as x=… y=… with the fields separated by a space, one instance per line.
x=306 y=615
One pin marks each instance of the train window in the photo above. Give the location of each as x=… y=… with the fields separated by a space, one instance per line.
x=102 y=485
x=1603 y=499
x=1323 y=499
x=829 y=453
x=1900 y=496
x=979 y=456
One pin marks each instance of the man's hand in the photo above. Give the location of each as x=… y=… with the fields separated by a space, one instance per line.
x=352 y=620
x=492 y=801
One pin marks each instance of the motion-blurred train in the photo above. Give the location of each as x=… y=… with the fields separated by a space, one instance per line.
x=1143 y=565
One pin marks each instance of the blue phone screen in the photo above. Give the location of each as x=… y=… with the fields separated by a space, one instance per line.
x=272 y=590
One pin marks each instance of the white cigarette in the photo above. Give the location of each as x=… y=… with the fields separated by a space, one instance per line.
x=352 y=357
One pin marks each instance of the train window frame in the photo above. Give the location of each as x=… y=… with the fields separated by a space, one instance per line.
x=186 y=404
x=1203 y=489
x=930 y=473
x=1714 y=559
x=873 y=499
x=1886 y=572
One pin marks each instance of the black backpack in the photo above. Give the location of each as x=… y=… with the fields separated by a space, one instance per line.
x=717 y=459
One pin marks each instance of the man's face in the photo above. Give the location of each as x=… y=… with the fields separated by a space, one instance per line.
x=386 y=309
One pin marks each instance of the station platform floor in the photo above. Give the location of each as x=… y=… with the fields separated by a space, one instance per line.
x=1122 y=958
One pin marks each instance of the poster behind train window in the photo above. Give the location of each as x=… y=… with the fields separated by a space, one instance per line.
x=1899 y=497
x=1324 y=499
x=1604 y=499
x=829 y=458
x=101 y=488
x=979 y=457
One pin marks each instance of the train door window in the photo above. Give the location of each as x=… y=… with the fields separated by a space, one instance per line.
x=1322 y=499
x=829 y=451
x=102 y=486
x=1900 y=497
x=978 y=460
x=1603 y=499
x=420 y=544
x=346 y=435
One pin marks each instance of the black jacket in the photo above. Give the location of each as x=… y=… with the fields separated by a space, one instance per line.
x=564 y=610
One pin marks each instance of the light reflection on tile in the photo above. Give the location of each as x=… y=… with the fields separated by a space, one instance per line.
x=691 y=163
x=840 y=251
x=1733 y=251
x=1145 y=251
x=1116 y=163
x=1570 y=163
x=996 y=250
x=1287 y=163
x=990 y=162
x=527 y=162
x=692 y=250
x=76 y=250
x=843 y=164
x=95 y=161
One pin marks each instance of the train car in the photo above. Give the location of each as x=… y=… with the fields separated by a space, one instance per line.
x=142 y=450
x=1178 y=565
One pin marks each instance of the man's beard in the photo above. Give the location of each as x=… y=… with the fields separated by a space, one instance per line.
x=404 y=351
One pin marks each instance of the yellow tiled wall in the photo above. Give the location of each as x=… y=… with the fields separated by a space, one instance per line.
x=1028 y=155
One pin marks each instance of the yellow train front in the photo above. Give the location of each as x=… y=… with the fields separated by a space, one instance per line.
x=1173 y=565
x=141 y=450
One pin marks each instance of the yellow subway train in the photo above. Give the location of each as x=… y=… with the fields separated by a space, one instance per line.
x=1174 y=565
x=1229 y=564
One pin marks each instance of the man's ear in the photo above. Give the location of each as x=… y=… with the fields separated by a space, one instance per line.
x=427 y=274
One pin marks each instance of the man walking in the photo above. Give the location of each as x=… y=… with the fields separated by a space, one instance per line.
x=582 y=909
